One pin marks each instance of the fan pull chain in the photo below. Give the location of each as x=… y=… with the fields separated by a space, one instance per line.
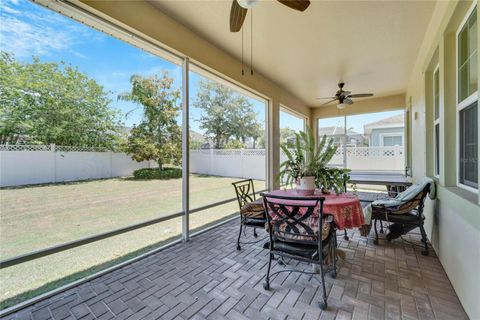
x=243 y=72
x=251 y=42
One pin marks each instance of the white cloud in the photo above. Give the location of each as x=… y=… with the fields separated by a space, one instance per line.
x=27 y=31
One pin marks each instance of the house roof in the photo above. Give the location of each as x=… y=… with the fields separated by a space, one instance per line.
x=330 y=131
x=194 y=135
x=390 y=122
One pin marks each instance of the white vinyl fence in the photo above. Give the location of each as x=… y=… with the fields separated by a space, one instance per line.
x=238 y=163
x=380 y=159
x=250 y=163
x=34 y=164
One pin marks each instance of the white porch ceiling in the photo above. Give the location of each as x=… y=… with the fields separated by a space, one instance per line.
x=371 y=45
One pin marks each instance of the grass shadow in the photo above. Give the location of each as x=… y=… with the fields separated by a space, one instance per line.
x=61 y=183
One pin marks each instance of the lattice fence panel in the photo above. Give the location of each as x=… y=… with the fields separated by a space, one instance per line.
x=25 y=147
x=79 y=149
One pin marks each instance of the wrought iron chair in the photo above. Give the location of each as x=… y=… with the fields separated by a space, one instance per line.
x=408 y=215
x=252 y=212
x=300 y=231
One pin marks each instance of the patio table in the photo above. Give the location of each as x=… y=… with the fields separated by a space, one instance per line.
x=345 y=208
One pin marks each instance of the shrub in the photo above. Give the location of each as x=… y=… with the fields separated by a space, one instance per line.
x=156 y=173
x=234 y=144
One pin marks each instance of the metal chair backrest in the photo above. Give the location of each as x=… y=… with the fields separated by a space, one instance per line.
x=290 y=218
x=245 y=192
x=417 y=202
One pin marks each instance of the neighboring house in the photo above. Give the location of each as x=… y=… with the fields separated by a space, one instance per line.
x=354 y=139
x=386 y=132
x=204 y=142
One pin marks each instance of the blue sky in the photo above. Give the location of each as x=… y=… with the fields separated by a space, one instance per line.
x=28 y=30
x=288 y=120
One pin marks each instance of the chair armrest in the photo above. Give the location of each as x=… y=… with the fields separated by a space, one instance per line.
x=378 y=207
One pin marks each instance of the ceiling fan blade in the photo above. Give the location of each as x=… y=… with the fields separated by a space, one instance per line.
x=300 y=5
x=327 y=98
x=346 y=93
x=328 y=102
x=347 y=101
x=360 y=95
x=237 y=16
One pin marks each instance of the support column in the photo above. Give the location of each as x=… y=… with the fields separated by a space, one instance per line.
x=273 y=144
x=448 y=120
x=185 y=151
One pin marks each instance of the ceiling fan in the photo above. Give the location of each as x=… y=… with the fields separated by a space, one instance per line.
x=344 y=97
x=239 y=9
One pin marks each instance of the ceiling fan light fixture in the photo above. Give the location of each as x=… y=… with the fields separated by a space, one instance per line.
x=341 y=106
x=247 y=4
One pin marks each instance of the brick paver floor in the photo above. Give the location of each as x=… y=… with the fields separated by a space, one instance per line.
x=208 y=279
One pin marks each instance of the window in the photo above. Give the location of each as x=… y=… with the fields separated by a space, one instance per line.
x=467 y=57
x=468 y=174
x=467 y=107
x=392 y=141
x=436 y=121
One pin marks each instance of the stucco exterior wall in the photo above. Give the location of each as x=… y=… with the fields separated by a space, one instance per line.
x=453 y=219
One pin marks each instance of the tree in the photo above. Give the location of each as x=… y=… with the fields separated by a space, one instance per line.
x=46 y=103
x=258 y=135
x=286 y=134
x=158 y=136
x=226 y=114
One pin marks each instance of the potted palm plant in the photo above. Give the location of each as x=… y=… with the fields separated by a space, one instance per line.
x=305 y=160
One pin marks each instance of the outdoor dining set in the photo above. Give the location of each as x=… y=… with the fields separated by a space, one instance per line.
x=304 y=227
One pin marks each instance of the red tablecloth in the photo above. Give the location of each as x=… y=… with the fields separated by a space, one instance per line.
x=345 y=208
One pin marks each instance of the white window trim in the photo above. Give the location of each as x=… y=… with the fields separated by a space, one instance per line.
x=436 y=122
x=393 y=134
x=463 y=104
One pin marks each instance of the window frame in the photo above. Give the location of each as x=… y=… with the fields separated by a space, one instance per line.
x=436 y=121
x=393 y=134
x=460 y=105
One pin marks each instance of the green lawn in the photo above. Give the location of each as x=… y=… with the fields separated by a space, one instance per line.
x=36 y=217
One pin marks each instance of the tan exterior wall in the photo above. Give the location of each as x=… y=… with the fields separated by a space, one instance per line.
x=158 y=26
x=453 y=219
